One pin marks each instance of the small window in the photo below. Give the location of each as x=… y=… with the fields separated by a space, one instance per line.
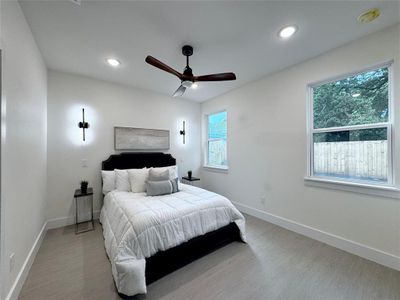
x=350 y=134
x=216 y=140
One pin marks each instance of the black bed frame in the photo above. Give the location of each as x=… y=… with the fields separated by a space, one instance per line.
x=165 y=262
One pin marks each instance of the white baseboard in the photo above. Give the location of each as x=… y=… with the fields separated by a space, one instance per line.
x=23 y=273
x=376 y=255
x=65 y=221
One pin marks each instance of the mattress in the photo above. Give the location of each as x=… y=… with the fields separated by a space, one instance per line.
x=136 y=226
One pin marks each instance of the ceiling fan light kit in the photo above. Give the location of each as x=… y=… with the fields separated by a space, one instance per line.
x=188 y=80
x=187 y=84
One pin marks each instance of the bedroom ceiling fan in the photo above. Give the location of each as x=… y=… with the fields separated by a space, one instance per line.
x=187 y=78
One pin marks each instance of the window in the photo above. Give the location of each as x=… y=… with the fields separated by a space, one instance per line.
x=350 y=128
x=216 y=140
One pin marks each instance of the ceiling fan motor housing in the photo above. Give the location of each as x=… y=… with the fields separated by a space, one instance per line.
x=188 y=71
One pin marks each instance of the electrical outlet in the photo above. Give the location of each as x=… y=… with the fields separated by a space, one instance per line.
x=12 y=261
x=263 y=199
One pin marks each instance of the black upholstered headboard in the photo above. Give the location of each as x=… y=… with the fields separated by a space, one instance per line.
x=138 y=160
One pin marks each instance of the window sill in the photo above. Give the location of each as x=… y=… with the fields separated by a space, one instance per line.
x=216 y=168
x=355 y=187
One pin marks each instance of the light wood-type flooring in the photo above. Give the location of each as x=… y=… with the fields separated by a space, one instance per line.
x=274 y=264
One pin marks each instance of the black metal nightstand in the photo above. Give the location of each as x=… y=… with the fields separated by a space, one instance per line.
x=78 y=195
x=190 y=180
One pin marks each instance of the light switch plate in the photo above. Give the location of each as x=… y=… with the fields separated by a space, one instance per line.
x=84 y=163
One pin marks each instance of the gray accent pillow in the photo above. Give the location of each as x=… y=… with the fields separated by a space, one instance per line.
x=156 y=188
x=157 y=176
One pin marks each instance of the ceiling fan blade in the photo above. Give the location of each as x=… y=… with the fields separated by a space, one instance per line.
x=216 y=77
x=179 y=92
x=158 y=64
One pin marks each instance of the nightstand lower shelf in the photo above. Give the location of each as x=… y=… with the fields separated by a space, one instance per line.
x=78 y=194
x=90 y=226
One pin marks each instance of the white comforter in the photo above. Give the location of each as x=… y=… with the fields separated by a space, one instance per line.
x=136 y=227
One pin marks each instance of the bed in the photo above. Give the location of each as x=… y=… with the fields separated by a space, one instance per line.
x=149 y=237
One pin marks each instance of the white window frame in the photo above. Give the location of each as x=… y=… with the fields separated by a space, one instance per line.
x=389 y=188
x=206 y=162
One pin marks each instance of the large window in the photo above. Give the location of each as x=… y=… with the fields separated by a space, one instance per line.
x=216 y=140
x=350 y=128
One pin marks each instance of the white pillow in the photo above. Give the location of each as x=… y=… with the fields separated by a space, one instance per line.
x=173 y=171
x=137 y=179
x=108 y=181
x=122 y=180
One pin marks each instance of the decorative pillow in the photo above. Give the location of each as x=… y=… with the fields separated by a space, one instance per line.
x=122 y=180
x=137 y=179
x=108 y=181
x=173 y=171
x=158 y=176
x=156 y=188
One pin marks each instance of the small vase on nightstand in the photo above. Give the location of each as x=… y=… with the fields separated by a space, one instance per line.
x=84 y=186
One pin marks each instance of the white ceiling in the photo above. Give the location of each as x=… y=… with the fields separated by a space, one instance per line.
x=238 y=36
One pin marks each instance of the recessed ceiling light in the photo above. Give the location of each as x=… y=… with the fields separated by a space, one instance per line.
x=113 y=62
x=195 y=85
x=287 y=32
x=355 y=95
x=369 y=15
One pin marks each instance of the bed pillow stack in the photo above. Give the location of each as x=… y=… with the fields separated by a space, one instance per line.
x=162 y=181
x=158 y=176
x=164 y=187
x=122 y=180
x=108 y=181
x=135 y=180
x=172 y=170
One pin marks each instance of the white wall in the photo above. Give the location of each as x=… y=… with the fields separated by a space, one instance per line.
x=267 y=148
x=107 y=105
x=23 y=164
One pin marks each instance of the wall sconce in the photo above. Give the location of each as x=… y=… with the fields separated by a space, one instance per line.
x=84 y=125
x=183 y=132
